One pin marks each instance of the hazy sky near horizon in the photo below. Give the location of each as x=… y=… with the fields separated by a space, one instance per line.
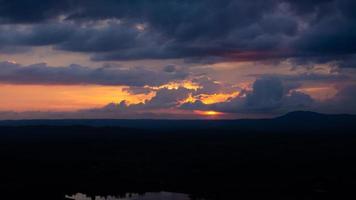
x=176 y=58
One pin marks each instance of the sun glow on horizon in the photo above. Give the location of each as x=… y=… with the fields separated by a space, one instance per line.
x=208 y=113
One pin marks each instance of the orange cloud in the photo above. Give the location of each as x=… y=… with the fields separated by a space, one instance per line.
x=175 y=85
x=210 y=98
x=216 y=98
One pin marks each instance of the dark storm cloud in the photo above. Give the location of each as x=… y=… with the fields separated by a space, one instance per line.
x=108 y=39
x=348 y=62
x=76 y=74
x=30 y=11
x=301 y=77
x=331 y=32
x=309 y=31
x=74 y=38
x=183 y=19
x=333 y=35
x=34 y=35
x=175 y=29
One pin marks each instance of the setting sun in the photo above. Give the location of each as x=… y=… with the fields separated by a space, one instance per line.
x=208 y=113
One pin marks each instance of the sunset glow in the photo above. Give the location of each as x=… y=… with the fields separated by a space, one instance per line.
x=63 y=98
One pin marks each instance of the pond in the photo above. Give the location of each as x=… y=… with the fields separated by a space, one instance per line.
x=134 y=196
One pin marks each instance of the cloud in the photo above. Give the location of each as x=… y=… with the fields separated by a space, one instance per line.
x=211 y=86
x=30 y=11
x=343 y=102
x=137 y=90
x=75 y=74
x=164 y=99
x=201 y=31
x=170 y=68
x=347 y=61
x=306 y=76
x=268 y=95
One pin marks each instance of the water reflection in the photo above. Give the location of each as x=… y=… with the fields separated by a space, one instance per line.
x=129 y=196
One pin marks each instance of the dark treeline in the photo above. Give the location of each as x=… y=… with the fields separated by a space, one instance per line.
x=47 y=162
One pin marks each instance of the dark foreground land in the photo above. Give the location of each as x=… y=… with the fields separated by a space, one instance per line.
x=298 y=156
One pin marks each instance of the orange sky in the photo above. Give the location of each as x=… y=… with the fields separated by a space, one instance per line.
x=61 y=98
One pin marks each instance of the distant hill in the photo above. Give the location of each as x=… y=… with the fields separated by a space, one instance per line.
x=308 y=115
x=313 y=120
x=297 y=120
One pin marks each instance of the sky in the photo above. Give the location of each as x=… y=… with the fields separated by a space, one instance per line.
x=176 y=59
